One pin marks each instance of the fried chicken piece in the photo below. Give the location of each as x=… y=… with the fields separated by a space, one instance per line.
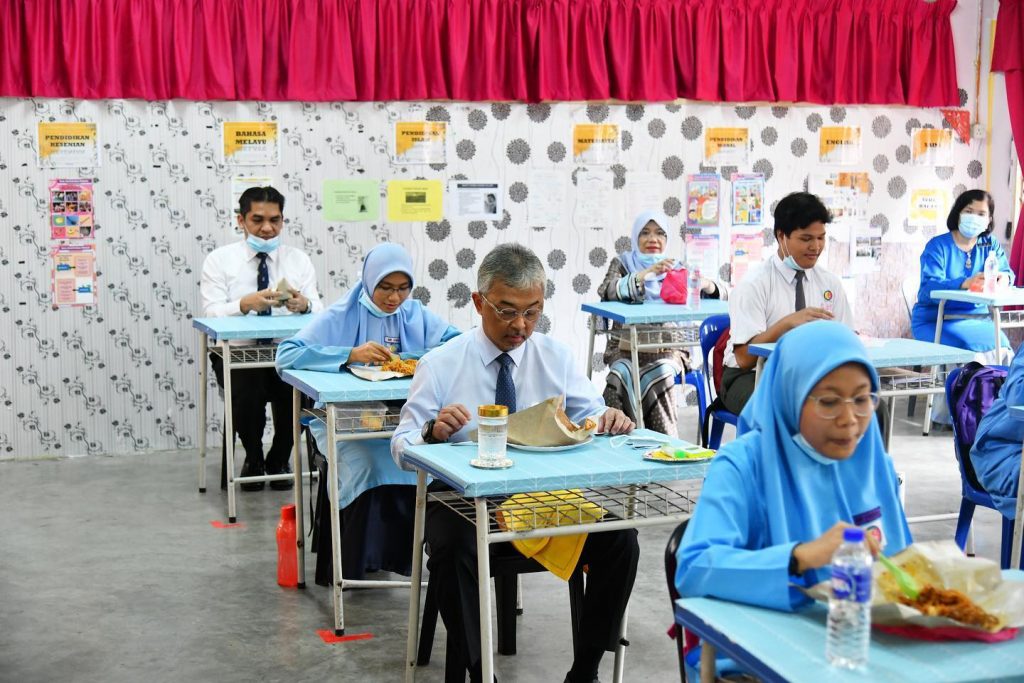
x=945 y=602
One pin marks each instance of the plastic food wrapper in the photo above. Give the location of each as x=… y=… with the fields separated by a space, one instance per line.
x=942 y=564
x=282 y=290
x=546 y=424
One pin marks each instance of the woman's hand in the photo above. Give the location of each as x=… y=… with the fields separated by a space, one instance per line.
x=708 y=286
x=659 y=268
x=369 y=353
x=974 y=281
x=818 y=553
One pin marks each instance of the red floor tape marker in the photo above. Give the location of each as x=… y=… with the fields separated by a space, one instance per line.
x=217 y=524
x=327 y=635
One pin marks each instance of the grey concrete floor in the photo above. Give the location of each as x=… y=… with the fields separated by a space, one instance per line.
x=110 y=570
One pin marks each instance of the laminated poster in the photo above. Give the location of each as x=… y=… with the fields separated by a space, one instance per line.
x=865 y=249
x=68 y=145
x=747 y=251
x=931 y=146
x=421 y=142
x=702 y=251
x=415 y=200
x=595 y=143
x=240 y=184
x=702 y=200
x=747 y=199
x=839 y=145
x=644 y=193
x=71 y=209
x=929 y=206
x=250 y=143
x=351 y=200
x=475 y=200
x=74 y=274
x=726 y=146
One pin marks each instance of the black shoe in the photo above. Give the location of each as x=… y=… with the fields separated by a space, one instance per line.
x=284 y=484
x=249 y=471
x=569 y=680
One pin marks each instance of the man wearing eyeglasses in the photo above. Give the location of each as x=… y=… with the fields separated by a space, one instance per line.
x=504 y=362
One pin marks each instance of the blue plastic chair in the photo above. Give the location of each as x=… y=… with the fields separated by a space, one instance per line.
x=695 y=379
x=710 y=330
x=971 y=496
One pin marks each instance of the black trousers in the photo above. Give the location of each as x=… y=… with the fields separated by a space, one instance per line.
x=611 y=557
x=251 y=391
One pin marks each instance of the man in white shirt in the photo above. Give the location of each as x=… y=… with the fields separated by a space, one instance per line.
x=503 y=362
x=239 y=279
x=788 y=290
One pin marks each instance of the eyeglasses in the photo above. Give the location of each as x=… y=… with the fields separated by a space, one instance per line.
x=830 y=406
x=530 y=315
x=388 y=291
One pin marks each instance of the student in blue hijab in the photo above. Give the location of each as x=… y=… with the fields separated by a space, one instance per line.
x=635 y=276
x=376 y=319
x=808 y=462
x=996 y=451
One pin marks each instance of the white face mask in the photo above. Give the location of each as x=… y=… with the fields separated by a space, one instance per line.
x=971 y=225
x=811 y=451
x=789 y=260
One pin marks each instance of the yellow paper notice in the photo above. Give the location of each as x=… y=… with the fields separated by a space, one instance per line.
x=415 y=200
x=726 y=146
x=595 y=143
x=250 y=143
x=420 y=142
x=931 y=146
x=839 y=145
x=64 y=145
x=928 y=206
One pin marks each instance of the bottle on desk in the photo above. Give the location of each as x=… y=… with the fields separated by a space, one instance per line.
x=849 y=609
x=693 y=287
x=991 y=273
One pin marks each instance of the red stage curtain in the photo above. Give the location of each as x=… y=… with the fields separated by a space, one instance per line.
x=821 y=51
x=1008 y=57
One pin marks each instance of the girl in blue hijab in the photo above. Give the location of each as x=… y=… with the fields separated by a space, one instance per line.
x=635 y=276
x=808 y=462
x=375 y=319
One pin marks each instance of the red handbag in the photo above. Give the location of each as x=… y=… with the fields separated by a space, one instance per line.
x=673 y=287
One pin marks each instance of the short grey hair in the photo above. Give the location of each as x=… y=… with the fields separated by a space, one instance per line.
x=511 y=263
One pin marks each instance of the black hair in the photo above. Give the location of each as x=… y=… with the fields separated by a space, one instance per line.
x=966 y=198
x=798 y=210
x=259 y=194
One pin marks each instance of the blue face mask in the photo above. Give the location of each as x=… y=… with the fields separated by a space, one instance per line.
x=789 y=260
x=375 y=310
x=972 y=225
x=811 y=451
x=262 y=246
x=648 y=260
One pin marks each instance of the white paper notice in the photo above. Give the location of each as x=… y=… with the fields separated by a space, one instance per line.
x=545 y=205
x=594 y=200
x=644 y=193
x=475 y=199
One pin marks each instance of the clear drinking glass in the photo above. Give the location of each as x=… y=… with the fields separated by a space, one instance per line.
x=492 y=438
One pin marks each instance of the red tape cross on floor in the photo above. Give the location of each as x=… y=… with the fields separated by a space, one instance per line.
x=217 y=524
x=327 y=635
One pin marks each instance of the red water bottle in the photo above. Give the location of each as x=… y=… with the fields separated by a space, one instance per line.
x=287 y=550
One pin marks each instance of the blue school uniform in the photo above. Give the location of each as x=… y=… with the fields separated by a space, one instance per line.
x=997 y=445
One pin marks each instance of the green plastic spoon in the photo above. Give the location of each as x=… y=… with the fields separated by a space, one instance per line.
x=907 y=583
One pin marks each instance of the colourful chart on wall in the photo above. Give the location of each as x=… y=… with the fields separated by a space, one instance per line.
x=250 y=143
x=702 y=200
x=839 y=145
x=595 y=143
x=71 y=209
x=421 y=142
x=703 y=251
x=931 y=146
x=747 y=199
x=68 y=145
x=726 y=146
x=415 y=200
x=747 y=252
x=74 y=274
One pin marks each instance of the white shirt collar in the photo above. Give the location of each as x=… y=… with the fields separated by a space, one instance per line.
x=251 y=253
x=788 y=273
x=489 y=352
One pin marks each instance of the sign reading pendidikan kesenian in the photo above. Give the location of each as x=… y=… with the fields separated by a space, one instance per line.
x=68 y=145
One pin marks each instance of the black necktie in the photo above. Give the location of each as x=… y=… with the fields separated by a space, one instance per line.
x=801 y=302
x=505 y=392
x=262 y=278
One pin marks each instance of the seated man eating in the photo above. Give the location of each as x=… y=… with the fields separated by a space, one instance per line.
x=503 y=362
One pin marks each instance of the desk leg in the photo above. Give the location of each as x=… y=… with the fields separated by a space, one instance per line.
x=332 y=486
x=300 y=511
x=1018 y=525
x=413 y=637
x=929 y=400
x=891 y=414
x=590 y=346
x=708 y=671
x=202 y=360
x=483 y=568
x=997 y=319
x=620 y=647
x=758 y=369
x=635 y=357
x=229 y=432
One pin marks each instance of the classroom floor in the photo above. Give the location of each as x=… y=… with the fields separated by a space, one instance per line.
x=111 y=571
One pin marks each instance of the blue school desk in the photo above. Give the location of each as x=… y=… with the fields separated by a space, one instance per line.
x=216 y=336
x=643 y=327
x=617 y=479
x=790 y=647
x=1017 y=413
x=342 y=396
x=996 y=302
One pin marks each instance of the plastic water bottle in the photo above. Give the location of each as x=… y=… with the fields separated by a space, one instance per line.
x=991 y=272
x=287 y=549
x=693 y=287
x=849 y=609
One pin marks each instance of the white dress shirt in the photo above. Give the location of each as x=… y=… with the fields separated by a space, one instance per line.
x=465 y=370
x=230 y=272
x=768 y=294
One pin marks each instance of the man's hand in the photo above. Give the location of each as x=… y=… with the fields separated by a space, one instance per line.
x=369 y=353
x=450 y=420
x=809 y=314
x=259 y=301
x=614 y=421
x=818 y=553
x=298 y=303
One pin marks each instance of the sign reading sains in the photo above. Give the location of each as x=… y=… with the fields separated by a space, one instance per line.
x=68 y=145
x=250 y=143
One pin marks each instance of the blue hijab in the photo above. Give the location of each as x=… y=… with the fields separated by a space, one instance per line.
x=635 y=260
x=354 y=319
x=803 y=496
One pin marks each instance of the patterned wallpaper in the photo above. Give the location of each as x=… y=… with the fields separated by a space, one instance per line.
x=121 y=376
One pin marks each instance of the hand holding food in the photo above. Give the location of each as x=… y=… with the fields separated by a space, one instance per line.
x=370 y=352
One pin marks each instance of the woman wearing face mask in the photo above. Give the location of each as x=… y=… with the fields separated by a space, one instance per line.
x=808 y=461
x=635 y=276
x=375 y=320
x=956 y=260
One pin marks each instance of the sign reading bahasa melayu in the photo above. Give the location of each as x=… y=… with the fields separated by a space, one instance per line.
x=251 y=143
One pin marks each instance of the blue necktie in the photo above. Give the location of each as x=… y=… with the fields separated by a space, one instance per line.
x=505 y=393
x=262 y=282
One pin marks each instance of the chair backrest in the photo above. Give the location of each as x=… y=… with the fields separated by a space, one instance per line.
x=963 y=442
x=711 y=329
x=909 y=288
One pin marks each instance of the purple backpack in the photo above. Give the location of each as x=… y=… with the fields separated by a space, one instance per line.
x=972 y=394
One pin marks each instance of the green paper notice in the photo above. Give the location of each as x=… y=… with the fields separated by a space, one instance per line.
x=351 y=200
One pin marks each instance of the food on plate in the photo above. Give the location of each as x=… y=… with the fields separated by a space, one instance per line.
x=945 y=602
x=406 y=367
x=570 y=426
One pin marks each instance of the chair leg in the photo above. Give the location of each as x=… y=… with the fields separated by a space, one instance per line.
x=912 y=400
x=1006 y=547
x=429 y=625
x=963 y=522
x=576 y=607
x=715 y=440
x=505 y=598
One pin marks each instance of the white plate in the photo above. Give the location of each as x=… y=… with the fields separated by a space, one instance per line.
x=373 y=373
x=550 y=449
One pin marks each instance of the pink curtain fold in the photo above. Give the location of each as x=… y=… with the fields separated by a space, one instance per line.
x=1008 y=57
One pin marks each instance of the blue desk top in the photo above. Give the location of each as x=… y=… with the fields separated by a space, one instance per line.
x=791 y=646
x=246 y=327
x=891 y=353
x=344 y=387
x=638 y=314
x=1005 y=297
x=593 y=465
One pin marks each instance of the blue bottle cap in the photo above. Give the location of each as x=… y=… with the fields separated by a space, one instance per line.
x=853 y=535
